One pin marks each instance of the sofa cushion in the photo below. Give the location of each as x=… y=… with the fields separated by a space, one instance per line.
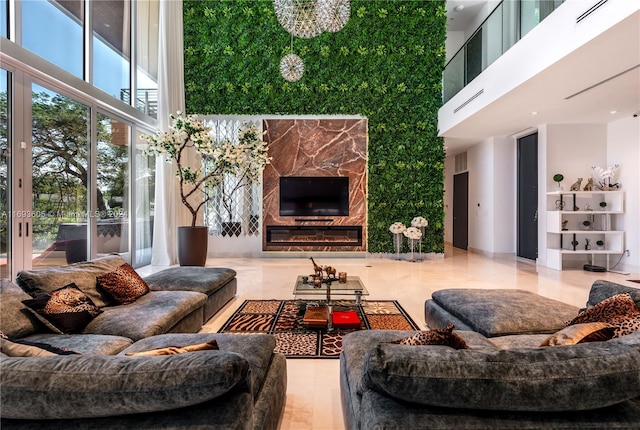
x=44 y=280
x=100 y=386
x=154 y=313
x=123 y=284
x=257 y=349
x=16 y=320
x=576 y=377
x=501 y=312
x=19 y=348
x=89 y=344
x=66 y=310
x=205 y=280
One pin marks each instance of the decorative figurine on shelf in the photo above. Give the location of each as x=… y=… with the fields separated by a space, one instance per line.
x=607 y=177
x=559 y=204
x=587 y=207
x=576 y=185
x=575 y=244
x=587 y=245
x=589 y=186
x=564 y=225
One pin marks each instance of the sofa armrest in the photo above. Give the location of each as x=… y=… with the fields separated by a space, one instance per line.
x=100 y=386
x=568 y=378
x=601 y=290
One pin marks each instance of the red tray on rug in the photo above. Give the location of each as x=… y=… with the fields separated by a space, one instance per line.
x=346 y=319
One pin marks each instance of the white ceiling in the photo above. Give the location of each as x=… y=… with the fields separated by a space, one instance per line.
x=603 y=76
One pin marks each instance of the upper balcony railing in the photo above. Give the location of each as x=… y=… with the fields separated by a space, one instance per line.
x=507 y=24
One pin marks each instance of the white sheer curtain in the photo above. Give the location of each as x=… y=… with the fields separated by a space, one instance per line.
x=169 y=212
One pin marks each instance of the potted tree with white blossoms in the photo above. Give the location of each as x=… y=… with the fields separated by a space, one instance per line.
x=244 y=159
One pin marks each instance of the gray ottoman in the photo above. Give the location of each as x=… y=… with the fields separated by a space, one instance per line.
x=218 y=283
x=496 y=312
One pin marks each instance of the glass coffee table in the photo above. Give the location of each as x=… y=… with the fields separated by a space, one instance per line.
x=353 y=288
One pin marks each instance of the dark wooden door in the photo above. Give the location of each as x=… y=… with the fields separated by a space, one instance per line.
x=528 y=197
x=461 y=210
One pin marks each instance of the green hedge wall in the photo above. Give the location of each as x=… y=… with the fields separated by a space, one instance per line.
x=385 y=64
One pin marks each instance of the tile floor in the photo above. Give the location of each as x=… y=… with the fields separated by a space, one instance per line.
x=313 y=391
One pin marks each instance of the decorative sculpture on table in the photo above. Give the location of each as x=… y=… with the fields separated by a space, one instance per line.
x=321 y=270
x=576 y=185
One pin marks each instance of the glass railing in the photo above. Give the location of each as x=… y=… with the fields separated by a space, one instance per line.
x=507 y=24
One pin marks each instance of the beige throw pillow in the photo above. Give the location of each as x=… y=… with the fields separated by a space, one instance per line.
x=577 y=333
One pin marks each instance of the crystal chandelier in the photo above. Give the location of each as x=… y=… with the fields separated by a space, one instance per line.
x=309 y=18
x=333 y=14
x=291 y=67
x=298 y=17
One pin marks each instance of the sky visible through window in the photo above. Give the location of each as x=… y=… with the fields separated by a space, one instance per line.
x=57 y=36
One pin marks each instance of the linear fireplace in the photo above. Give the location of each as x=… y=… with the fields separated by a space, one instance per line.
x=314 y=235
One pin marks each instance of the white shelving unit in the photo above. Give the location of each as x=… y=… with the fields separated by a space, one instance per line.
x=566 y=234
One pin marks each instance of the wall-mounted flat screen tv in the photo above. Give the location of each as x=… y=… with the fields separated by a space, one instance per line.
x=314 y=195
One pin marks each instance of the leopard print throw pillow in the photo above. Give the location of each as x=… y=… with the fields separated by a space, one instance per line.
x=620 y=311
x=440 y=336
x=124 y=285
x=615 y=307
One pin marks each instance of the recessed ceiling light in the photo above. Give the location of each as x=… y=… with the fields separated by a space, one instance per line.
x=613 y=112
x=534 y=113
x=458 y=8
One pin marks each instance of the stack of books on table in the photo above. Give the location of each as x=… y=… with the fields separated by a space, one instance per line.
x=316 y=316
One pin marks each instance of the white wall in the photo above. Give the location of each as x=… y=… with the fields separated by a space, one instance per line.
x=504 y=189
x=480 y=164
x=454 y=41
x=623 y=148
x=449 y=171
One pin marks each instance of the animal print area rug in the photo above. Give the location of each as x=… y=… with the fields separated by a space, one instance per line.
x=283 y=319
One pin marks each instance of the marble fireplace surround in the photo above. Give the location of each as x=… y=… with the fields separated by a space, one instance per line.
x=316 y=147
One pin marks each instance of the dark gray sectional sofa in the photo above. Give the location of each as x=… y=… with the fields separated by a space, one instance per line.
x=241 y=386
x=506 y=381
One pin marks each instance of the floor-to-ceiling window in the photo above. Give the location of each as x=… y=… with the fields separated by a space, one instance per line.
x=112 y=191
x=60 y=177
x=5 y=177
x=143 y=200
x=86 y=187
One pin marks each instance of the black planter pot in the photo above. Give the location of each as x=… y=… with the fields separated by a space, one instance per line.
x=192 y=245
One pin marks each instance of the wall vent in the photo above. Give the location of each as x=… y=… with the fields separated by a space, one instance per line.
x=469 y=100
x=590 y=11
x=460 y=163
